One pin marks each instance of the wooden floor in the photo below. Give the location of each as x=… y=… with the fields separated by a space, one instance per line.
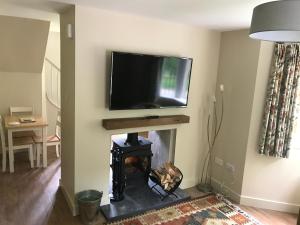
x=270 y=216
x=32 y=197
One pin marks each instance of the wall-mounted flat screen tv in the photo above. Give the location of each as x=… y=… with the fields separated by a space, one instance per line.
x=140 y=81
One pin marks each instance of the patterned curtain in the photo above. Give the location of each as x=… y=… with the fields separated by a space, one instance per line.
x=279 y=114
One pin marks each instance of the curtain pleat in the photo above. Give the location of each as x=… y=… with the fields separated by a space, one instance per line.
x=278 y=119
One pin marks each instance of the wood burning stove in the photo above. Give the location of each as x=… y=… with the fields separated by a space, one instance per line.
x=136 y=151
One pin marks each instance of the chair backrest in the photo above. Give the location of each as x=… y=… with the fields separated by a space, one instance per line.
x=58 y=124
x=20 y=110
x=2 y=134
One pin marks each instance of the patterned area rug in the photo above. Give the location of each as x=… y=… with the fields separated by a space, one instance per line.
x=204 y=211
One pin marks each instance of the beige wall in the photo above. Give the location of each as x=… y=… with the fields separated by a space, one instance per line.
x=237 y=71
x=23 y=44
x=97 y=33
x=68 y=107
x=268 y=182
x=259 y=181
x=20 y=89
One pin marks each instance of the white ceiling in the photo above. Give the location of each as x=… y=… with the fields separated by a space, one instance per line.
x=214 y=14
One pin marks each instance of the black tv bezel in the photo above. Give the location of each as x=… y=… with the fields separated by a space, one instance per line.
x=154 y=55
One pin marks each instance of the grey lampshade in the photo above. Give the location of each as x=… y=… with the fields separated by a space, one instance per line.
x=276 y=21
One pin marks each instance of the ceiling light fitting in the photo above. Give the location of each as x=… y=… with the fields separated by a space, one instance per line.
x=277 y=21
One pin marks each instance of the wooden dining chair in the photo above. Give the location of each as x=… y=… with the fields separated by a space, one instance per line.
x=18 y=143
x=25 y=110
x=52 y=140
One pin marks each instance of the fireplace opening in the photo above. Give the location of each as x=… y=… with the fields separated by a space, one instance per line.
x=133 y=156
x=132 y=189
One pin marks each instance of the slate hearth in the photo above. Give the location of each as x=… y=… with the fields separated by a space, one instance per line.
x=139 y=198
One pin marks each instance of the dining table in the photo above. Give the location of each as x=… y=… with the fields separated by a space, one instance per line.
x=15 y=124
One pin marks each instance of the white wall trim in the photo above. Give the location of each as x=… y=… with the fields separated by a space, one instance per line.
x=69 y=200
x=270 y=204
x=256 y=202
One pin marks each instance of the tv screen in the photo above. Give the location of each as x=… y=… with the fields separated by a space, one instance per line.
x=141 y=81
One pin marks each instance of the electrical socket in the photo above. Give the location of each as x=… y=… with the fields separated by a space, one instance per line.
x=219 y=161
x=230 y=167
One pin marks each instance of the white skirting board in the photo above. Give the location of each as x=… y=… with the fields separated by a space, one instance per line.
x=70 y=201
x=257 y=202
x=270 y=204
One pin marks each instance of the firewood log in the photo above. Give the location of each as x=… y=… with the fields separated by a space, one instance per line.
x=168 y=175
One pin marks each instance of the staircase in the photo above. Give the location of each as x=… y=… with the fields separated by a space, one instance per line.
x=52 y=92
x=52 y=83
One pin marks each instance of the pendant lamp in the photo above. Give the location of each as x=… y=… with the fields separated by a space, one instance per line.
x=277 y=21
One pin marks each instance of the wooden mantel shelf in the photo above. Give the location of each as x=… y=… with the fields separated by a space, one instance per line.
x=121 y=123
